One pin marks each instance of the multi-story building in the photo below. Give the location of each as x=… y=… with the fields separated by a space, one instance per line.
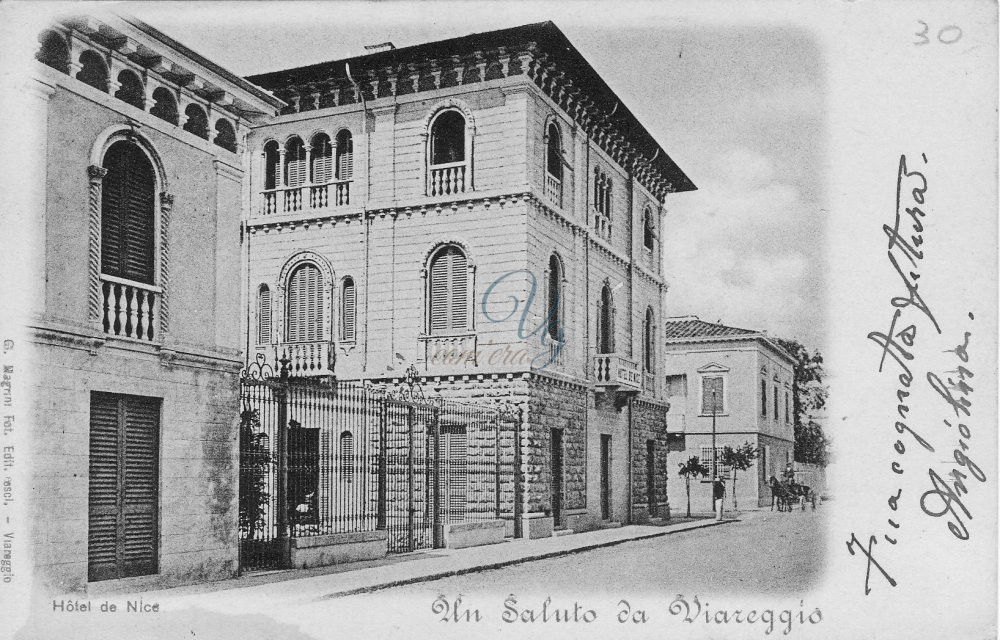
x=135 y=317
x=486 y=210
x=741 y=381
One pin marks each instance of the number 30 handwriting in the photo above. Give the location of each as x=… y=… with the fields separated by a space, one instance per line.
x=946 y=35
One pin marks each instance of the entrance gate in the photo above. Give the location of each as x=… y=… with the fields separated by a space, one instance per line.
x=321 y=457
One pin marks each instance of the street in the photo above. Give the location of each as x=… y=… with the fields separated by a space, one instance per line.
x=765 y=559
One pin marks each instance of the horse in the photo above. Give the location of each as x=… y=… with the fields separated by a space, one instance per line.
x=780 y=495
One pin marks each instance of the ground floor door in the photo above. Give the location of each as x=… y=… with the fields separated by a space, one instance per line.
x=123 y=496
x=605 y=477
x=556 y=443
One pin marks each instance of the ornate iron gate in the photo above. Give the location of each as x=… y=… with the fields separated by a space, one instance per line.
x=320 y=457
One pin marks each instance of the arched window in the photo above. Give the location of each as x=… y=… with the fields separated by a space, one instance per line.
x=448 y=138
x=554 y=296
x=295 y=162
x=648 y=229
x=348 y=311
x=197 y=121
x=345 y=155
x=94 y=72
x=54 y=51
x=225 y=136
x=131 y=89
x=347 y=456
x=128 y=210
x=649 y=342
x=271 y=159
x=602 y=203
x=553 y=155
x=321 y=155
x=763 y=398
x=164 y=105
x=605 y=322
x=264 y=315
x=304 y=308
x=449 y=291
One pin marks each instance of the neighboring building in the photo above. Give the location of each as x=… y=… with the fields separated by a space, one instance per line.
x=135 y=320
x=751 y=377
x=409 y=206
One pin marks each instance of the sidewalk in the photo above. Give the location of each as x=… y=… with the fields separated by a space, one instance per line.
x=362 y=577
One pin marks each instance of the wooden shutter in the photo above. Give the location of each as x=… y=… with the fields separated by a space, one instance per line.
x=349 y=319
x=708 y=385
x=305 y=305
x=322 y=161
x=459 y=291
x=449 y=291
x=345 y=157
x=124 y=486
x=128 y=214
x=264 y=316
x=295 y=165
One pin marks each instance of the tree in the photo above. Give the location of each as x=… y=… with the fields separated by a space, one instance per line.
x=255 y=464
x=809 y=395
x=693 y=467
x=740 y=459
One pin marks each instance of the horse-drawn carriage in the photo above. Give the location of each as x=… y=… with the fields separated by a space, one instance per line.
x=788 y=492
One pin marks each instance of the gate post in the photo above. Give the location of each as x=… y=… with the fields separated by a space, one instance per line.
x=438 y=530
x=383 y=466
x=281 y=396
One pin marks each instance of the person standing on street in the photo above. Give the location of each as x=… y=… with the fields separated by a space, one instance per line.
x=718 y=492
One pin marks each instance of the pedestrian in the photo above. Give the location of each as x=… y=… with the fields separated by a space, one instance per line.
x=718 y=492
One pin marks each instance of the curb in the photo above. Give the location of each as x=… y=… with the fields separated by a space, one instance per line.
x=506 y=563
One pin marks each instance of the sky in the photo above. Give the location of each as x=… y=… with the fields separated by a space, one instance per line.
x=739 y=107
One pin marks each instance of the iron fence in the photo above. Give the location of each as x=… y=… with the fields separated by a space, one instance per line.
x=320 y=457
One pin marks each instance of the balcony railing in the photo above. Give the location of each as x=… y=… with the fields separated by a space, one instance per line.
x=316 y=197
x=447 y=179
x=130 y=309
x=613 y=370
x=306 y=358
x=553 y=189
x=449 y=350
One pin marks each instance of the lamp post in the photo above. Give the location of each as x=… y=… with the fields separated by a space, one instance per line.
x=715 y=465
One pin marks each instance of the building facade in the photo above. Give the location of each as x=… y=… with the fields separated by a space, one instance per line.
x=750 y=378
x=485 y=210
x=135 y=322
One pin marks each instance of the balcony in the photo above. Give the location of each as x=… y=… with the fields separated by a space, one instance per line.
x=617 y=372
x=130 y=309
x=553 y=189
x=314 y=197
x=454 y=350
x=306 y=359
x=447 y=179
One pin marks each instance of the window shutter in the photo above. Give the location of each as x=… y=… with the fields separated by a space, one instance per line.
x=102 y=535
x=141 y=482
x=345 y=158
x=459 y=291
x=264 y=316
x=127 y=214
x=348 y=322
x=322 y=162
x=449 y=291
x=305 y=305
x=708 y=385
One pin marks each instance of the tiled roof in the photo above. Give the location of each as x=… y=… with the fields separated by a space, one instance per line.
x=695 y=328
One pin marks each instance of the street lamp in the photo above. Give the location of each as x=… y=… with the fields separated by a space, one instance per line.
x=715 y=465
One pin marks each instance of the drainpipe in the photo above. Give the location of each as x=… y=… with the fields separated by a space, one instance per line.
x=628 y=516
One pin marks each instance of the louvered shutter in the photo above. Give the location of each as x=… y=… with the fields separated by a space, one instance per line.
x=264 y=316
x=349 y=320
x=305 y=305
x=103 y=495
x=127 y=214
x=141 y=479
x=322 y=162
x=295 y=165
x=124 y=486
x=708 y=385
x=449 y=291
x=459 y=291
x=439 y=293
x=345 y=157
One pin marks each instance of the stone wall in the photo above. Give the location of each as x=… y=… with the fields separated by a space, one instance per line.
x=648 y=423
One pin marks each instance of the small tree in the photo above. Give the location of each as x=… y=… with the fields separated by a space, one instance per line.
x=739 y=459
x=255 y=464
x=693 y=467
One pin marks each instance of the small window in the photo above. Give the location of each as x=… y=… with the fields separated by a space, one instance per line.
x=788 y=414
x=553 y=153
x=304 y=318
x=345 y=155
x=271 y=159
x=164 y=105
x=707 y=458
x=649 y=342
x=94 y=71
x=264 y=315
x=648 y=230
x=448 y=138
x=763 y=398
x=776 y=414
x=225 y=136
x=54 y=52
x=348 y=311
x=321 y=159
x=554 y=296
x=197 y=121
x=131 y=89
x=449 y=294
x=128 y=208
x=605 y=322
x=713 y=395
x=295 y=163
x=677 y=386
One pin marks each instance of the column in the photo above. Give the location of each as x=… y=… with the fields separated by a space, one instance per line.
x=95 y=305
